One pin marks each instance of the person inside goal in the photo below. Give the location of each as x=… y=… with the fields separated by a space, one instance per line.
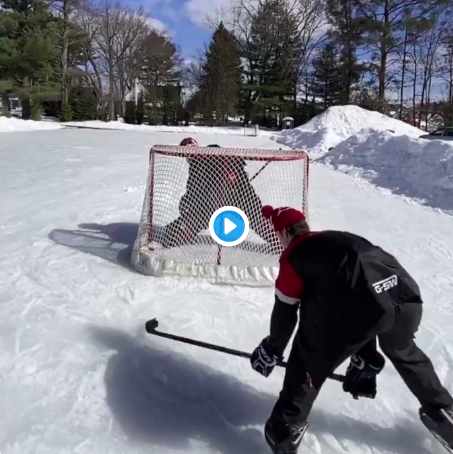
x=348 y=293
x=215 y=182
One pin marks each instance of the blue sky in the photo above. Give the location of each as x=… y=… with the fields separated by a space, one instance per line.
x=183 y=19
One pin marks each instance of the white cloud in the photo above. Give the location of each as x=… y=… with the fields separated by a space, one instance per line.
x=161 y=27
x=158 y=25
x=200 y=11
x=189 y=60
x=167 y=9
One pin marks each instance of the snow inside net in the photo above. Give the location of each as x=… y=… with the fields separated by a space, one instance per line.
x=186 y=185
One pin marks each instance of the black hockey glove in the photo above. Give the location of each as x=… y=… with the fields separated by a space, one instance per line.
x=360 y=378
x=265 y=357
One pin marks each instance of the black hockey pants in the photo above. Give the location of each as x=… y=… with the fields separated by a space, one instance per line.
x=415 y=368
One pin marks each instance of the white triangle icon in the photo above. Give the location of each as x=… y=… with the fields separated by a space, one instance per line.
x=229 y=226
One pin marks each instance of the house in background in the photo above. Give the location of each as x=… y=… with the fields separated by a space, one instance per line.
x=137 y=90
x=15 y=106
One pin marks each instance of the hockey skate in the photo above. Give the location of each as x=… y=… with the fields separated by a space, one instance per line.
x=440 y=424
x=284 y=439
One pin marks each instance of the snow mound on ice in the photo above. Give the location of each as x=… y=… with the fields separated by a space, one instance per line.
x=192 y=129
x=339 y=123
x=408 y=166
x=19 y=125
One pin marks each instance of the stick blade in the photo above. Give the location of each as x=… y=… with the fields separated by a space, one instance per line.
x=151 y=325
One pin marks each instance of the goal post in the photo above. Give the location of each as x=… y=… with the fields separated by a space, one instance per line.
x=186 y=185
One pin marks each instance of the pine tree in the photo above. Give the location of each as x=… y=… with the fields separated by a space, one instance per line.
x=271 y=49
x=221 y=75
x=71 y=42
x=29 y=51
x=384 y=22
x=156 y=65
x=327 y=81
x=347 y=33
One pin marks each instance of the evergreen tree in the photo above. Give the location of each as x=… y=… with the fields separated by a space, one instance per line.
x=156 y=61
x=29 y=51
x=327 y=82
x=221 y=75
x=71 y=42
x=347 y=33
x=271 y=50
x=156 y=65
x=384 y=22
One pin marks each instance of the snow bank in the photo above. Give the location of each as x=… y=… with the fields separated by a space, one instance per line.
x=95 y=124
x=18 y=125
x=408 y=166
x=337 y=124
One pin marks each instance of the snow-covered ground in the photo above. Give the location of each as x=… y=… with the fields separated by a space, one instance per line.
x=77 y=373
x=383 y=150
x=191 y=129
x=18 y=125
x=338 y=123
x=406 y=165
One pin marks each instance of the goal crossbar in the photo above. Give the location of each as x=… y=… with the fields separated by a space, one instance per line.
x=254 y=154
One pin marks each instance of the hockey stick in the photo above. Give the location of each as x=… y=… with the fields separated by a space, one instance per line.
x=151 y=326
x=259 y=171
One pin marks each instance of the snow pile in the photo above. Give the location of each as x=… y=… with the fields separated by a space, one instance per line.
x=192 y=129
x=337 y=124
x=406 y=165
x=18 y=125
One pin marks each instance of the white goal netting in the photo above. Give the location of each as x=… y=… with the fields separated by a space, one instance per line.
x=186 y=185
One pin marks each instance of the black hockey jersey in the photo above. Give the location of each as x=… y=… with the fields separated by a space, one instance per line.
x=345 y=289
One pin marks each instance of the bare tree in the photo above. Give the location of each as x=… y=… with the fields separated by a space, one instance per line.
x=193 y=75
x=384 y=20
x=413 y=71
x=432 y=59
x=87 y=19
x=127 y=47
x=311 y=22
x=120 y=31
x=425 y=62
x=405 y=56
x=447 y=77
x=68 y=35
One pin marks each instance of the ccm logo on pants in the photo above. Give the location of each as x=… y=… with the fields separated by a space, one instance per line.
x=386 y=284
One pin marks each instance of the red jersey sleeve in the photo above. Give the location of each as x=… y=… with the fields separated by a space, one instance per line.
x=288 y=286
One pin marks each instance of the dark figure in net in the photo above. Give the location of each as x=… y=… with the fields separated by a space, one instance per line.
x=348 y=294
x=215 y=182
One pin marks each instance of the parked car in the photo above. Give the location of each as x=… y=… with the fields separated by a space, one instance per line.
x=440 y=134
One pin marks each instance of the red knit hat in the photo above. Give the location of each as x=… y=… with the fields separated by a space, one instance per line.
x=282 y=217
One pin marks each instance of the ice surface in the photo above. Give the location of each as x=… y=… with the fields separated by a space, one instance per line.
x=77 y=373
x=338 y=123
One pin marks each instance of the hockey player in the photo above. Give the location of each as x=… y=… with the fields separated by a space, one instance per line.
x=348 y=293
x=215 y=182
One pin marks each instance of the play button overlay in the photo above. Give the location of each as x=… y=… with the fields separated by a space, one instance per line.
x=229 y=226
